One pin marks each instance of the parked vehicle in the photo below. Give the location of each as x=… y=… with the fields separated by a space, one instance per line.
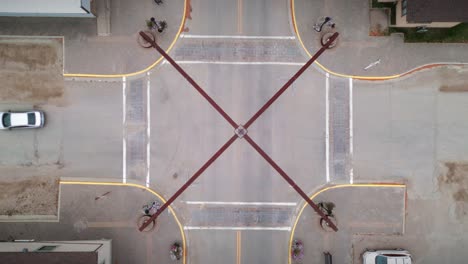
x=21 y=119
x=396 y=256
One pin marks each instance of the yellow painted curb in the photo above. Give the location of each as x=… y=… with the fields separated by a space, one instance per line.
x=375 y=185
x=86 y=75
x=375 y=78
x=140 y=187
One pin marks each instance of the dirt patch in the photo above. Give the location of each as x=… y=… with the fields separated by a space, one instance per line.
x=378 y=22
x=31 y=69
x=27 y=56
x=30 y=87
x=454 y=88
x=453 y=78
x=456 y=173
x=454 y=180
x=32 y=196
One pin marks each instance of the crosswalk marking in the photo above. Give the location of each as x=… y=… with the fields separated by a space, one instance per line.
x=241 y=62
x=279 y=228
x=235 y=37
x=327 y=127
x=124 y=143
x=240 y=203
x=339 y=126
x=148 y=129
x=351 y=172
x=136 y=129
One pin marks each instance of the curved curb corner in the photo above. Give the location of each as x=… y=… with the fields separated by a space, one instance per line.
x=364 y=78
x=331 y=187
x=184 y=245
x=90 y=75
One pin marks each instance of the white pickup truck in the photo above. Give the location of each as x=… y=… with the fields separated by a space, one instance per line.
x=397 y=256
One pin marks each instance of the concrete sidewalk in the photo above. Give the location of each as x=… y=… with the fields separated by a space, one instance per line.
x=356 y=49
x=359 y=210
x=118 y=53
x=111 y=212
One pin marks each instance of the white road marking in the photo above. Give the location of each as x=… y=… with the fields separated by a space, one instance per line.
x=351 y=172
x=239 y=203
x=280 y=228
x=124 y=142
x=327 y=129
x=372 y=64
x=148 y=129
x=241 y=63
x=234 y=37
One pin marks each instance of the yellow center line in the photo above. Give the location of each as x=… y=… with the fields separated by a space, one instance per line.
x=239 y=251
x=239 y=16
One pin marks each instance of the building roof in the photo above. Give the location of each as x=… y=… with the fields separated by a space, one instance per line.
x=44 y=8
x=425 y=11
x=49 y=257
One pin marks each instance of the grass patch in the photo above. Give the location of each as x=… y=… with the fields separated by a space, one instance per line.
x=457 y=34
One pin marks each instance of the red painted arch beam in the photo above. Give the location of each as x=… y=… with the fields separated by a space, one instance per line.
x=189 y=182
x=233 y=124
x=290 y=181
x=290 y=81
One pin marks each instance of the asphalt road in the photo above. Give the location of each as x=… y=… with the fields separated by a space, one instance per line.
x=82 y=136
x=240 y=73
x=156 y=130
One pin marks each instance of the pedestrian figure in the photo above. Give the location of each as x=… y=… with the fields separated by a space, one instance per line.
x=154 y=23
x=176 y=251
x=150 y=210
x=158 y=25
x=326 y=21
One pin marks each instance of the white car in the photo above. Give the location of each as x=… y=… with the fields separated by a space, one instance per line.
x=28 y=119
x=397 y=256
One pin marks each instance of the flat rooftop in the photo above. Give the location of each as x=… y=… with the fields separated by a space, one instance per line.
x=45 y=7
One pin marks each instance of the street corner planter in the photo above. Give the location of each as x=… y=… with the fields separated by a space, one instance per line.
x=324 y=225
x=297 y=250
x=176 y=251
x=142 y=42
x=153 y=226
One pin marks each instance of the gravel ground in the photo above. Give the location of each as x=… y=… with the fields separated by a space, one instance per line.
x=29 y=196
x=31 y=69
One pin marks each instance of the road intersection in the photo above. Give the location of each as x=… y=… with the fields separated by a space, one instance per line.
x=333 y=134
